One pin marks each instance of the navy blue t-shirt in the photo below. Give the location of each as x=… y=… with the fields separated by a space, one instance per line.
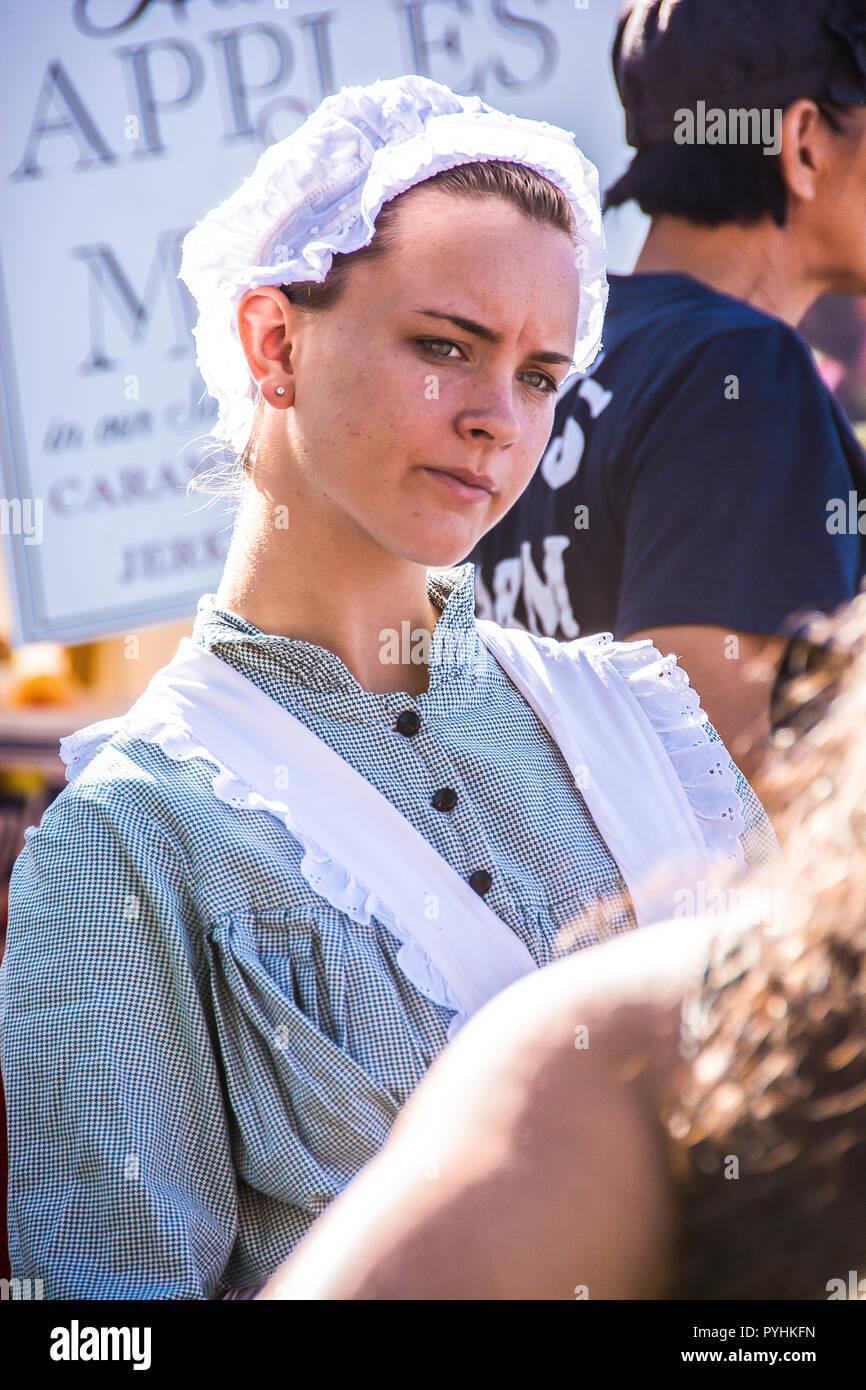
x=702 y=473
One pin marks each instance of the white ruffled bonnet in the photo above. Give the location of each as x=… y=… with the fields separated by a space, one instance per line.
x=319 y=191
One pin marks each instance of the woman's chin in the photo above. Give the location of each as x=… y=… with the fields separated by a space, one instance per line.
x=438 y=557
x=440 y=548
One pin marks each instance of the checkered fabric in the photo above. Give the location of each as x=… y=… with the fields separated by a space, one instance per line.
x=198 y=1052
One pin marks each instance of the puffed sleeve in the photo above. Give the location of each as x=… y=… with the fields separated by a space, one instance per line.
x=121 y=1182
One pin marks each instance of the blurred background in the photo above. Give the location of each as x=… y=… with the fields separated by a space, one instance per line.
x=124 y=122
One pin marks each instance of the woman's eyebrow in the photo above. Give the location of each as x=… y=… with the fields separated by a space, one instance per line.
x=491 y=336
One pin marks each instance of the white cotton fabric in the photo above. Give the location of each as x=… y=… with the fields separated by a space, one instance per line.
x=631 y=733
x=662 y=794
x=320 y=189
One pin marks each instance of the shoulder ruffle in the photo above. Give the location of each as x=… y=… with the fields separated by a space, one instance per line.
x=80 y=748
x=703 y=765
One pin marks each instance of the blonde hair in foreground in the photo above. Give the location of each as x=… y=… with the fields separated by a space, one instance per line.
x=767 y=1116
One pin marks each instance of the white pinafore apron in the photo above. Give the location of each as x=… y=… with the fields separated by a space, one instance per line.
x=623 y=717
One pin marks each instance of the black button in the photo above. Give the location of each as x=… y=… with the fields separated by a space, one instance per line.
x=481 y=881
x=445 y=799
x=408 y=723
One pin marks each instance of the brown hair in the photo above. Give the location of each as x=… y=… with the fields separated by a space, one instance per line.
x=712 y=185
x=774 y=1063
x=525 y=188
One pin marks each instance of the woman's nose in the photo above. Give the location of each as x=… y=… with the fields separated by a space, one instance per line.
x=492 y=412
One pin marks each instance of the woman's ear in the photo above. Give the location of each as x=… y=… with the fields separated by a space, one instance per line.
x=264 y=327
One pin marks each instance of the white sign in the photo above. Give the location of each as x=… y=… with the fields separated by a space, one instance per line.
x=125 y=121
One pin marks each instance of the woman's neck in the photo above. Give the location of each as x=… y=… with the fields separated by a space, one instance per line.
x=334 y=588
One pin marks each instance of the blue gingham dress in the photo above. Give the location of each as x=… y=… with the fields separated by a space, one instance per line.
x=199 y=1052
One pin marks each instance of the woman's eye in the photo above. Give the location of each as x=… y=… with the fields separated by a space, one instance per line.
x=432 y=343
x=548 y=386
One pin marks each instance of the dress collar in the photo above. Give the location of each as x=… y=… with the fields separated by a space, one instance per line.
x=453 y=649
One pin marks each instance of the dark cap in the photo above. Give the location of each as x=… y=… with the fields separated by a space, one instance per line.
x=670 y=54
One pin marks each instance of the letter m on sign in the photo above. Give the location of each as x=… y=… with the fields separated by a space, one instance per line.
x=110 y=284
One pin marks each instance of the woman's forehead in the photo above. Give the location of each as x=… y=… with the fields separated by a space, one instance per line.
x=445 y=215
x=490 y=239
x=489 y=274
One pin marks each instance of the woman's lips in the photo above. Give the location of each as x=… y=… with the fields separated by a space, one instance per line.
x=456 y=485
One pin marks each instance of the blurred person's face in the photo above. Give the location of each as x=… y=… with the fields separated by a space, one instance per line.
x=404 y=427
x=838 y=215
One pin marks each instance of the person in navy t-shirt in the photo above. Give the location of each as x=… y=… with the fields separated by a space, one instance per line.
x=701 y=485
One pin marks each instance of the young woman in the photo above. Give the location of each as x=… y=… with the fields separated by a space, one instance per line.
x=345 y=814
